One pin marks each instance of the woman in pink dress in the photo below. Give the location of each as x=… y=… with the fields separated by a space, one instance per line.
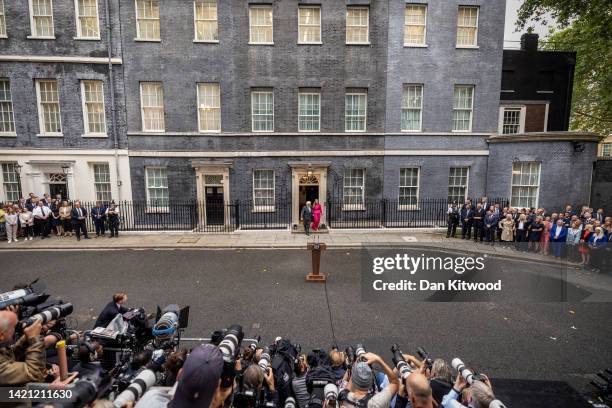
x=316 y=212
x=545 y=237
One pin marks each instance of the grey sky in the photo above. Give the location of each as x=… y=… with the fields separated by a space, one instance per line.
x=510 y=36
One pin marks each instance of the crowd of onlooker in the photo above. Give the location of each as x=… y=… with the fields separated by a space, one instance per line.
x=580 y=236
x=45 y=216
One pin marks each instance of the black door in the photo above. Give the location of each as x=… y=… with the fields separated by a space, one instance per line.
x=55 y=189
x=308 y=193
x=214 y=206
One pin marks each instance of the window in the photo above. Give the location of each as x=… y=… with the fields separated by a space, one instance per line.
x=2 y=20
x=87 y=22
x=412 y=108
x=261 y=25
x=463 y=101
x=409 y=187
x=606 y=149
x=467 y=27
x=10 y=181
x=458 y=184
x=102 y=182
x=157 y=186
x=357 y=25
x=209 y=108
x=94 y=116
x=309 y=108
x=263 y=190
x=353 y=189
x=41 y=18
x=309 y=25
x=512 y=120
x=262 y=111
x=49 y=117
x=525 y=184
x=414 y=24
x=152 y=102
x=7 y=120
x=206 y=25
x=355 y=112
x=147 y=20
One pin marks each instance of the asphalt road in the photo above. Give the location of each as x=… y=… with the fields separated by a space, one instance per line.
x=265 y=291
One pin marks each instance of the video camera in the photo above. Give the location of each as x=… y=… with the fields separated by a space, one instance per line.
x=27 y=298
x=470 y=377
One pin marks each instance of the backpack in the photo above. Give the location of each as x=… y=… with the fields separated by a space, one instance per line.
x=360 y=403
x=316 y=380
x=283 y=363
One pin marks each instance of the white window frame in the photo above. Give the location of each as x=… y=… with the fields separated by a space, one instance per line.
x=156 y=208
x=34 y=35
x=138 y=36
x=260 y=6
x=86 y=132
x=365 y=122
x=522 y=112
x=358 y=206
x=265 y=208
x=420 y=129
x=4 y=182
x=41 y=122
x=78 y=22
x=12 y=111
x=3 y=31
x=424 y=25
x=300 y=26
x=407 y=207
x=200 y=107
x=471 y=109
x=607 y=145
x=475 y=45
x=96 y=183
x=306 y=93
x=467 y=182
x=271 y=91
x=142 y=108
x=367 y=41
x=512 y=185
x=195 y=22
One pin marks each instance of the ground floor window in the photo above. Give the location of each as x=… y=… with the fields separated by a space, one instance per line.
x=263 y=190
x=606 y=149
x=409 y=187
x=157 y=186
x=353 y=189
x=525 y=184
x=10 y=181
x=458 y=184
x=102 y=182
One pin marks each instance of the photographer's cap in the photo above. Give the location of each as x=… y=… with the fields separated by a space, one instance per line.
x=199 y=378
x=361 y=376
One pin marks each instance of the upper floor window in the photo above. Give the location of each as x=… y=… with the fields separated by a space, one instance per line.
x=309 y=108
x=263 y=190
x=414 y=24
x=512 y=120
x=260 y=25
x=7 y=120
x=88 y=26
x=309 y=25
x=353 y=189
x=412 y=108
x=209 y=107
x=94 y=116
x=409 y=187
x=262 y=111
x=147 y=20
x=206 y=24
x=41 y=18
x=152 y=105
x=525 y=184
x=102 y=182
x=49 y=116
x=2 y=20
x=357 y=25
x=467 y=26
x=355 y=111
x=463 y=102
x=606 y=149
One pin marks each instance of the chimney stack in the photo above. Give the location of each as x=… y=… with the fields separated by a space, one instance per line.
x=529 y=42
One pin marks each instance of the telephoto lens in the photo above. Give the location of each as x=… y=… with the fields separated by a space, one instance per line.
x=398 y=360
x=52 y=313
x=28 y=299
x=425 y=357
x=230 y=347
x=166 y=326
x=254 y=344
x=465 y=372
x=350 y=355
x=139 y=385
x=264 y=360
x=359 y=352
x=290 y=403
x=331 y=395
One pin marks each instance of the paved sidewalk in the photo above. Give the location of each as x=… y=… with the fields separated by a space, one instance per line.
x=274 y=239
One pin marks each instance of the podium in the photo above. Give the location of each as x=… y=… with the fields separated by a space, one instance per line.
x=316 y=248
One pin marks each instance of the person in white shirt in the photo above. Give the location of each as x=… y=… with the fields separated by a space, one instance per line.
x=41 y=214
x=27 y=221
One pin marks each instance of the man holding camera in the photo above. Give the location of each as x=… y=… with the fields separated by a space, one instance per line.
x=480 y=393
x=358 y=393
x=24 y=360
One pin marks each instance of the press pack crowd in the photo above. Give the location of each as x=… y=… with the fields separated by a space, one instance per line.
x=154 y=369
x=579 y=236
x=46 y=216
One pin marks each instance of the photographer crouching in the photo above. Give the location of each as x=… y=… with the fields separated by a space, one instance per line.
x=470 y=390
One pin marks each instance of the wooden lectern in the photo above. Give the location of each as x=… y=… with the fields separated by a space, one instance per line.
x=315 y=248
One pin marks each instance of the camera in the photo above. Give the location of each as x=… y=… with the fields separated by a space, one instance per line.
x=331 y=395
x=350 y=355
x=290 y=403
x=428 y=361
x=51 y=313
x=139 y=385
x=470 y=377
x=264 y=360
x=230 y=347
x=398 y=361
x=359 y=352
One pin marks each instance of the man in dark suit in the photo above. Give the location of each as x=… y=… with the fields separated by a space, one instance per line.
x=600 y=216
x=78 y=215
x=467 y=217
x=98 y=215
x=558 y=236
x=491 y=221
x=478 y=220
x=112 y=309
x=306 y=217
